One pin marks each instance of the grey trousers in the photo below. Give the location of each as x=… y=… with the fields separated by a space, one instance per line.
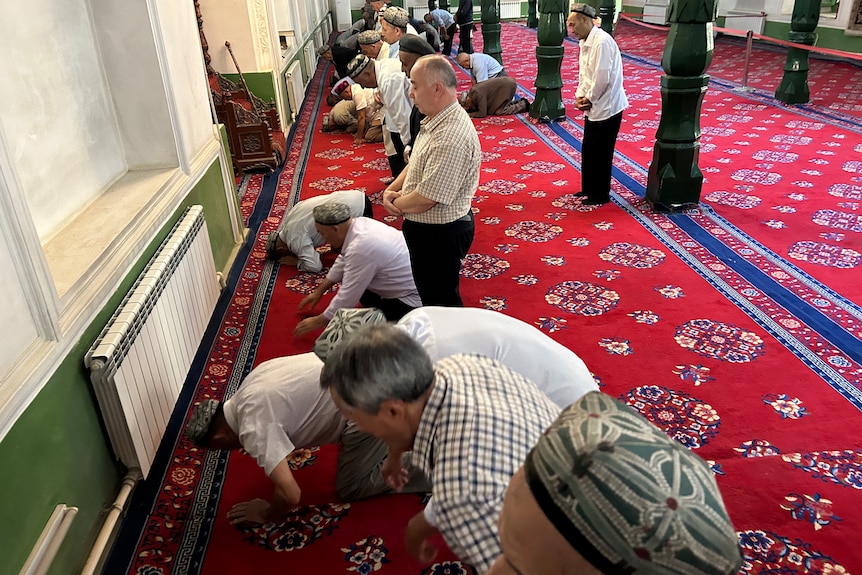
x=358 y=475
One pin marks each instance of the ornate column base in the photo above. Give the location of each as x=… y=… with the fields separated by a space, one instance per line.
x=548 y=105
x=674 y=176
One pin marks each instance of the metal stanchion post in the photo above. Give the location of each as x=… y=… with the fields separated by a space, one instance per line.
x=749 y=39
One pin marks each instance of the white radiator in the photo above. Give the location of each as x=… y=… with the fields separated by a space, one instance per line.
x=142 y=357
x=510 y=10
x=310 y=60
x=295 y=88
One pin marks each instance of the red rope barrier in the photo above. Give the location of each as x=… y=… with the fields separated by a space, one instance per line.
x=741 y=34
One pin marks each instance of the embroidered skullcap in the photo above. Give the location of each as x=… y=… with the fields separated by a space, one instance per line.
x=198 y=427
x=357 y=65
x=396 y=16
x=413 y=44
x=323 y=49
x=368 y=37
x=343 y=323
x=342 y=85
x=627 y=497
x=331 y=213
x=584 y=9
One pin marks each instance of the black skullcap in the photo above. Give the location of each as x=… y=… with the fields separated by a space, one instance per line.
x=584 y=9
x=413 y=44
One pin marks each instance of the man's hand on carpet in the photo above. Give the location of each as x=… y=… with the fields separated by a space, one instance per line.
x=310 y=324
x=393 y=473
x=309 y=301
x=253 y=511
x=416 y=538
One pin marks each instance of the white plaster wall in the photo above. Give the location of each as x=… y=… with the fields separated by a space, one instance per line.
x=57 y=112
x=131 y=65
x=229 y=20
x=14 y=315
x=186 y=79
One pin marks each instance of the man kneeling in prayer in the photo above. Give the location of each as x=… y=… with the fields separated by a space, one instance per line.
x=494 y=97
x=280 y=407
x=297 y=239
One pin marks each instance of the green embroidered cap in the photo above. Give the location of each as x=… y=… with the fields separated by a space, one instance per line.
x=198 y=427
x=343 y=323
x=627 y=497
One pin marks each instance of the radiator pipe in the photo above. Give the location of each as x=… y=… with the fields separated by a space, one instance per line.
x=114 y=513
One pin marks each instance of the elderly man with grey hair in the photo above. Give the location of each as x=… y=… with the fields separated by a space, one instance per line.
x=372 y=268
x=469 y=421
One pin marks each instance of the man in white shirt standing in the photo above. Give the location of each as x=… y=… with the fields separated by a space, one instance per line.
x=278 y=408
x=393 y=89
x=373 y=268
x=372 y=45
x=600 y=95
x=394 y=24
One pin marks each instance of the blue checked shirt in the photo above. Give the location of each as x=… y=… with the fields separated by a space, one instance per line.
x=477 y=427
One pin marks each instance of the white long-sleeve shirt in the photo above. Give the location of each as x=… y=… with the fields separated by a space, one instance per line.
x=374 y=257
x=600 y=76
x=393 y=87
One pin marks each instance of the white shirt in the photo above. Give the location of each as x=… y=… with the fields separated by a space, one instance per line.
x=297 y=229
x=556 y=370
x=443 y=331
x=483 y=66
x=600 y=76
x=374 y=257
x=393 y=87
x=364 y=100
x=280 y=406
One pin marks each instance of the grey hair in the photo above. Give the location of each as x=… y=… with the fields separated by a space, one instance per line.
x=440 y=70
x=377 y=363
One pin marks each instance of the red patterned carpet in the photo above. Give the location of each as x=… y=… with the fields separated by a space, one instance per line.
x=709 y=322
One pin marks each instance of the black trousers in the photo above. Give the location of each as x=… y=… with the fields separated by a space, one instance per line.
x=369 y=208
x=466 y=40
x=396 y=162
x=393 y=309
x=436 y=251
x=447 y=43
x=597 y=157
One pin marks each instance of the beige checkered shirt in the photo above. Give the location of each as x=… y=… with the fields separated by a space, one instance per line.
x=444 y=166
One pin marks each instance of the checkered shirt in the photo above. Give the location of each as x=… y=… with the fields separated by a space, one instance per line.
x=444 y=166
x=477 y=427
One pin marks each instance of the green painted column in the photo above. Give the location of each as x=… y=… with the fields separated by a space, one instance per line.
x=674 y=176
x=491 y=29
x=444 y=4
x=532 y=19
x=607 y=10
x=793 y=88
x=548 y=106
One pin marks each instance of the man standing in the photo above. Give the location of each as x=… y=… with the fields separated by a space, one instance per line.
x=468 y=419
x=297 y=238
x=435 y=192
x=393 y=90
x=481 y=66
x=494 y=97
x=372 y=45
x=373 y=267
x=605 y=491
x=394 y=25
x=446 y=26
x=464 y=19
x=600 y=95
x=411 y=48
